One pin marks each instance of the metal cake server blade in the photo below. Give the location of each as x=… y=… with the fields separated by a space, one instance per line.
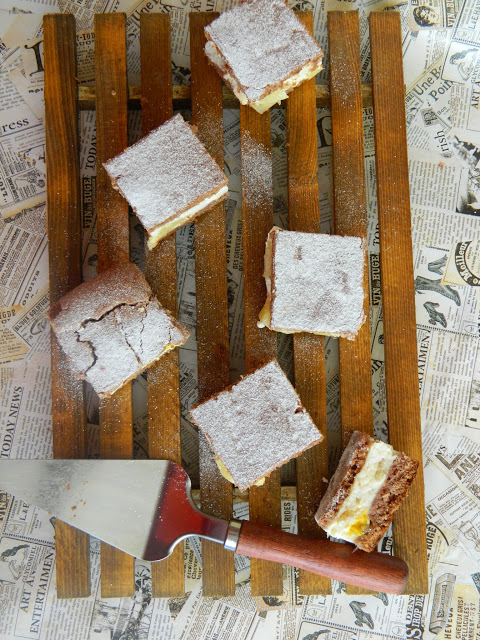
x=144 y=507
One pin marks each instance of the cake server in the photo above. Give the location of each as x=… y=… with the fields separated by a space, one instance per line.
x=144 y=507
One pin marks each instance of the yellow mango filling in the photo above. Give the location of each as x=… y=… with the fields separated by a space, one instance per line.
x=223 y=470
x=353 y=520
x=359 y=525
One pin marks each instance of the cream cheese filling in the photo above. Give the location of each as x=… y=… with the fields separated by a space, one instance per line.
x=264 y=316
x=306 y=73
x=353 y=518
x=223 y=470
x=164 y=230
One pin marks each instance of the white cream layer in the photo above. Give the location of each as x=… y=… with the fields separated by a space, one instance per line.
x=308 y=71
x=164 y=230
x=353 y=518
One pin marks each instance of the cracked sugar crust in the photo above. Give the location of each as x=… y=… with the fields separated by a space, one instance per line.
x=262 y=43
x=317 y=283
x=111 y=328
x=256 y=425
x=122 y=284
x=165 y=173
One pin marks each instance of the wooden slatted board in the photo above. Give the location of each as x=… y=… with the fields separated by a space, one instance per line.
x=65 y=272
x=213 y=359
x=350 y=212
x=260 y=344
x=308 y=349
x=116 y=434
x=350 y=208
x=207 y=98
x=163 y=384
x=396 y=264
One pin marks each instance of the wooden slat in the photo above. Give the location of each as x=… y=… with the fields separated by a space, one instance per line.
x=181 y=97
x=65 y=272
x=308 y=349
x=350 y=212
x=350 y=208
x=260 y=344
x=117 y=578
x=212 y=308
x=396 y=263
x=161 y=272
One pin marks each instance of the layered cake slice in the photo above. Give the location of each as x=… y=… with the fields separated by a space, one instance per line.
x=367 y=488
x=111 y=328
x=314 y=283
x=168 y=178
x=262 y=52
x=256 y=425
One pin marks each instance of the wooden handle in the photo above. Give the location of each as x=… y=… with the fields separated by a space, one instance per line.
x=374 y=571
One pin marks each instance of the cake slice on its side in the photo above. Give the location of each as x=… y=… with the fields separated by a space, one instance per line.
x=367 y=488
x=256 y=425
x=262 y=51
x=111 y=328
x=314 y=283
x=168 y=178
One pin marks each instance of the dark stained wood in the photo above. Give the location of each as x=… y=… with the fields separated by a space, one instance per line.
x=308 y=349
x=350 y=209
x=117 y=579
x=376 y=571
x=396 y=263
x=161 y=272
x=181 y=97
x=260 y=344
x=65 y=272
x=212 y=307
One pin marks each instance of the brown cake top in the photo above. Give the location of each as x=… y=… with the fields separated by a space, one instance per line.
x=263 y=43
x=165 y=173
x=257 y=424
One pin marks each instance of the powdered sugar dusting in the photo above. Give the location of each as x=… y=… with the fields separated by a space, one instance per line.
x=256 y=171
x=122 y=284
x=111 y=328
x=257 y=424
x=317 y=283
x=165 y=173
x=263 y=43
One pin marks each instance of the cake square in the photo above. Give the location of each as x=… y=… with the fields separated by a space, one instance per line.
x=262 y=51
x=111 y=328
x=368 y=487
x=314 y=283
x=168 y=178
x=256 y=425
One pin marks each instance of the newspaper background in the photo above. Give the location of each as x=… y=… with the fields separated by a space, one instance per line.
x=443 y=129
